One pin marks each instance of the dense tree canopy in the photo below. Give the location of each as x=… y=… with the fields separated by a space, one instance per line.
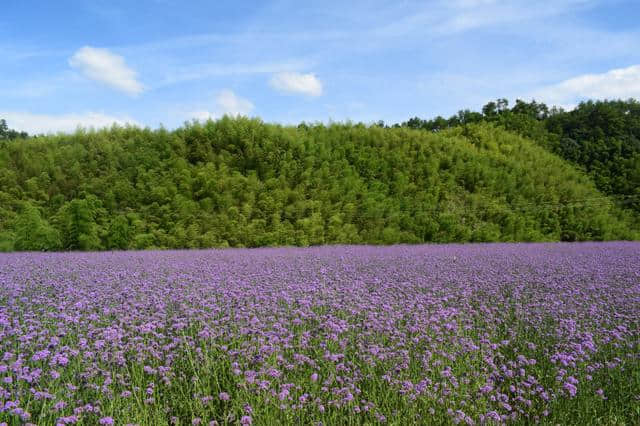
x=241 y=182
x=602 y=137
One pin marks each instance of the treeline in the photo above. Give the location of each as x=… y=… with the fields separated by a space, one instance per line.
x=601 y=137
x=9 y=134
x=241 y=182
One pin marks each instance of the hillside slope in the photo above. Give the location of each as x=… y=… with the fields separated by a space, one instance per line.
x=600 y=137
x=240 y=182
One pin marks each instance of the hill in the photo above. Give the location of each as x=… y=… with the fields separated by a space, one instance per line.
x=241 y=182
x=600 y=137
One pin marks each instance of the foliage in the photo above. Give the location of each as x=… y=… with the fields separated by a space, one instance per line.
x=602 y=137
x=243 y=183
x=7 y=133
x=34 y=233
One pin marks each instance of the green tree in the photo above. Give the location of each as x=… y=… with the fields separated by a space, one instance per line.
x=7 y=133
x=32 y=232
x=241 y=182
x=76 y=220
x=119 y=235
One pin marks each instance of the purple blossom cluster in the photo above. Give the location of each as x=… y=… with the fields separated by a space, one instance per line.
x=471 y=333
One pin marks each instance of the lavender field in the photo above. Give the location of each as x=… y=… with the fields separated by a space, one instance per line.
x=470 y=334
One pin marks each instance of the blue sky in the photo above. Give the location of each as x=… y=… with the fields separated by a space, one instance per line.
x=153 y=62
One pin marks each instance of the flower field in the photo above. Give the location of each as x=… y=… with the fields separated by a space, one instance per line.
x=469 y=334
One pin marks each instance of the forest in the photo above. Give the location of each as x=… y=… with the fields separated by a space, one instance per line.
x=526 y=173
x=600 y=137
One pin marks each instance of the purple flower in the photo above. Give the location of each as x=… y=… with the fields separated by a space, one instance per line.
x=571 y=389
x=493 y=415
x=373 y=313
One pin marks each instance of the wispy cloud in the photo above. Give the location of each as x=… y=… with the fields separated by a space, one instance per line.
x=226 y=103
x=293 y=82
x=620 y=83
x=450 y=17
x=106 y=67
x=34 y=88
x=204 y=71
x=18 y=53
x=46 y=123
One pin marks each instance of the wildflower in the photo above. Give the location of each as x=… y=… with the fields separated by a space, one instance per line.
x=224 y=396
x=245 y=420
x=283 y=394
x=106 y=421
x=492 y=415
x=571 y=389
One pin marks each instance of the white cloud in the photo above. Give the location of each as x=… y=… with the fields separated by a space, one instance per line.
x=620 y=83
x=306 y=84
x=106 y=67
x=45 y=123
x=227 y=103
x=232 y=104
